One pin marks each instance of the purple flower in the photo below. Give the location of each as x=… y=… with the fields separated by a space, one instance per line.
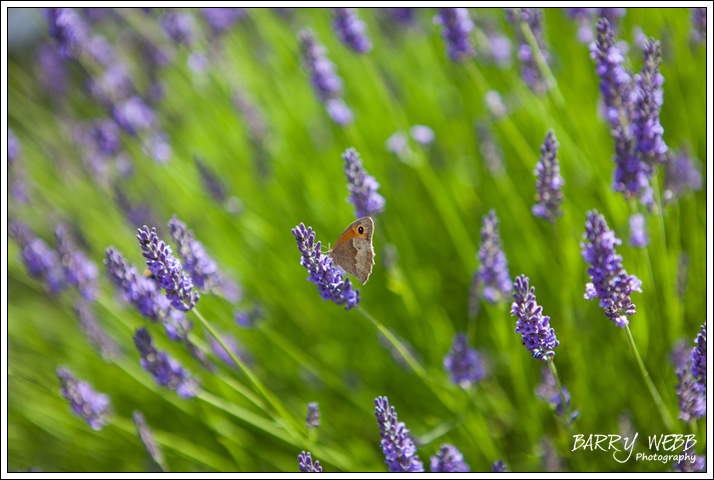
x=463 y=364
x=165 y=370
x=13 y=146
x=103 y=135
x=405 y=16
x=147 y=437
x=449 y=459
x=251 y=113
x=323 y=78
x=51 y=70
x=306 y=465
x=397 y=143
x=221 y=19
x=233 y=346
x=699 y=24
x=113 y=86
x=211 y=182
x=350 y=30
x=549 y=181
x=490 y=151
x=638 y=235
x=202 y=268
x=248 y=318
x=610 y=282
x=178 y=26
x=647 y=99
x=39 y=259
x=338 y=111
x=68 y=29
x=96 y=336
x=499 y=467
x=456 y=27
x=313 y=415
x=682 y=173
x=398 y=448
x=133 y=115
x=422 y=134
x=93 y=407
x=691 y=461
x=167 y=269
x=536 y=333
x=135 y=214
x=100 y=50
x=362 y=186
x=157 y=146
x=692 y=397
x=699 y=358
x=547 y=392
x=78 y=270
x=328 y=277
x=680 y=354
x=491 y=278
x=530 y=73
x=493 y=103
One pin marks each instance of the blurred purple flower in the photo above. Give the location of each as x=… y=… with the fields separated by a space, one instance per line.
x=40 y=260
x=699 y=24
x=362 y=186
x=638 y=235
x=494 y=105
x=692 y=397
x=491 y=278
x=323 y=78
x=68 y=29
x=549 y=181
x=165 y=370
x=463 y=364
x=248 y=318
x=699 y=358
x=338 y=111
x=221 y=19
x=100 y=50
x=682 y=173
x=350 y=29
x=147 y=437
x=134 y=114
x=449 y=459
x=397 y=143
x=530 y=73
x=489 y=149
x=547 y=391
x=51 y=70
x=405 y=16
x=422 y=134
x=233 y=346
x=211 y=181
x=178 y=26
x=329 y=279
x=398 y=448
x=201 y=267
x=78 y=270
x=251 y=113
x=499 y=467
x=691 y=462
x=536 y=333
x=306 y=465
x=610 y=282
x=313 y=415
x=96 y=336
x=13 y=146
x=93 y=407
x=456 y=28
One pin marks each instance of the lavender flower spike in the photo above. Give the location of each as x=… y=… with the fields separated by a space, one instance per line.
x=610 y=282
x=530 y=73
x=351 y=30
x=499 y=467
x=492 y=273
x=362 y=186
x=147 y=438
x=449 y=459
x=549 y=182
x=398 y=448
x=328 y=277
x=638 y=236
x=313 y=415
x=306 y=464
x=202 y=268
x=68 y=29
x=699 y=358
x=167 y=269
x=682 y=173
x=323 y=78
x=456 y=26
x=93 y=407
x=463 y=364
x=165 y=370
x=692 y=397
x=536 y=333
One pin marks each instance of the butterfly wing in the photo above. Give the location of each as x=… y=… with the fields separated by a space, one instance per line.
x=353 y=251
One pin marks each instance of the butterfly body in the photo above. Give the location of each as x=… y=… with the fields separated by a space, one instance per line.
x=353 y=251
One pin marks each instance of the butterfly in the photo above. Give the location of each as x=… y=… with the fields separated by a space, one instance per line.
x=353 y=251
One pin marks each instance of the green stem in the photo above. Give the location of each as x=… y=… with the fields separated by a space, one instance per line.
x=650 y=385
x=567 y=415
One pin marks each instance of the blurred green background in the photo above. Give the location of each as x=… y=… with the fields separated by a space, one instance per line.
x=308 y=350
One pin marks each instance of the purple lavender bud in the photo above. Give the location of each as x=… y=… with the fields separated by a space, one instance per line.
x=248 y=318
x=68 y=29
x=536 y=333
x=397 y=143
x=638 y=235
x=103 y=135
x=167 y=269
x=211 y=182
x=197 y=62
x=178 y=26
x=680 y=354
x=692 y=397
x=405 y=16
x=165 y=370
x=691 y=462
x=456 y=27
x=136 y=215
x=40 y=260
x=350 y=29
x=549 y=181
x=699 y=358
x=157 y=146
x=202 y=268
x=13 y=146
x=328 y=277
x=114 y=85
x=463 y=365
x=51 y=70
x=530 y=73
x=615 y=82
x=490 y=150
x=147 y=437
x=610 y=282
x=499 y=467
x=547 y=391
x=93 y=407
x=699 y=24
x=494 y=105
x=133 y=115
x=422 y=134
x=362 y=186
x=313 y=415
x=100 y=50
x=682 y=173
x=222 y=19
x=78 y=270
x=449 y=459
x=398 y=448
x=323 y=78
x=338 y=111
x=492 y=278
x=647 y=98
x=96 y=336
x=306 y=465
x=235 y=348
x=251 y=113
